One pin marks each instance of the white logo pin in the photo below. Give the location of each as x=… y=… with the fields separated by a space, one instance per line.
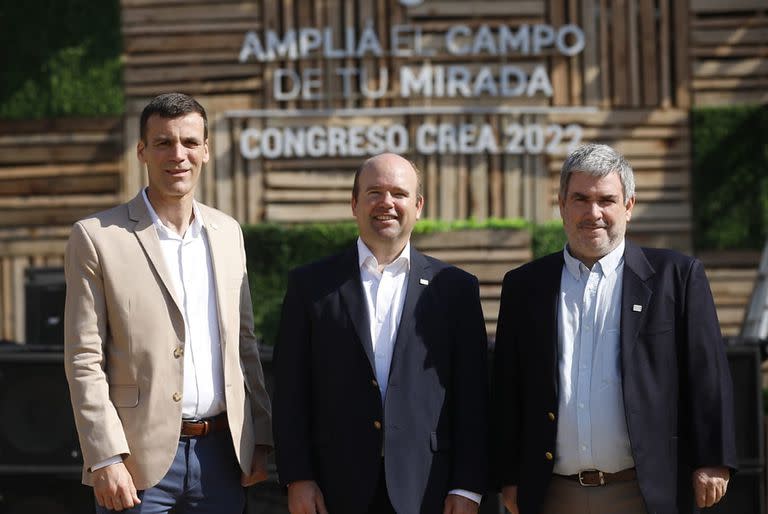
x=423 y=281
x=637 y=308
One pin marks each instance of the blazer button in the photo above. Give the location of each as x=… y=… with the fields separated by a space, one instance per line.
x=549 y=456
x=377 y=425
x=176 y=397
x=374 y=383
x=178 y=352
x=551 y=416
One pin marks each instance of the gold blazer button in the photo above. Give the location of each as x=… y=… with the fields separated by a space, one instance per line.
x=549 y=456
x=176 y=397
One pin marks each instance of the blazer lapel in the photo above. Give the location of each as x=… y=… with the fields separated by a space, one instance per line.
x=352 y=296
x=219 y=259
x=147 y=236
x=419 y=277
x=635 y=298
x=550 y=291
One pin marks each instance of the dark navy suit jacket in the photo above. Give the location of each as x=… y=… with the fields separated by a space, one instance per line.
x=678 y=397
x=329 y=422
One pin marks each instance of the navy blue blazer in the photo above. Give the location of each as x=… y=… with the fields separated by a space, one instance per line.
x=328 y=419
x=677 y=389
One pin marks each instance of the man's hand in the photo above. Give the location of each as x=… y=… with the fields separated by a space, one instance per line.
x=509 y=497
x=258 y=468
x=113 y=487
x=304 y=497
x=457 y=504
x=709 y=485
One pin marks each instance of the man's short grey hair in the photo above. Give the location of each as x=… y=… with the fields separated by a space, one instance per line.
x=598 y=161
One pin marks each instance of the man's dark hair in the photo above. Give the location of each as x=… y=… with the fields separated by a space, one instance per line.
x=170 y=106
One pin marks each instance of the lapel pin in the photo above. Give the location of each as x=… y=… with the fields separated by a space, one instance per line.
x=423 y=281
x=637 y=308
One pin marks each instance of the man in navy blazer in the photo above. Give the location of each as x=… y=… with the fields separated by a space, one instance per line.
x=380 y=401
x=611 y=386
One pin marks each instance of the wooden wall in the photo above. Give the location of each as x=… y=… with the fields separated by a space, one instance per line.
x=645 y=65
x=52 y=173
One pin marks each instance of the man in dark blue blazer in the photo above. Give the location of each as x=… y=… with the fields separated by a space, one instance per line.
x=611 y=386
x=380 y=401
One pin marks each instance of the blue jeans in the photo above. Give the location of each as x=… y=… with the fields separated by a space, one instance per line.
x=204 y=478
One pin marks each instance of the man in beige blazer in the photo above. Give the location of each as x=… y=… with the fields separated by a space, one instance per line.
x=163 y=367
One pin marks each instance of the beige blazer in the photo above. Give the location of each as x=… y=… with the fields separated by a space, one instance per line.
x=123 y=332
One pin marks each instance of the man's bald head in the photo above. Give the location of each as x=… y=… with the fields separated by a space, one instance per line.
x=385 y=159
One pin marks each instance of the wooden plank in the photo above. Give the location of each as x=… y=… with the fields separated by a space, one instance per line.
x=605 y=61
x=59 y=139
x=60 y=125
x=718 y=6
x=474 y=238
x=729 y=68
x=648 y=43
x=592 y=73
x=84 y=169
x=734 y=84
x=664 y=54
x=296 y=213
x=60 y=185
x=59 y=201
x=196 y=88
x=619 y=52
x=185 y=13
x=480 y=8
x=15 y=155
x=682 y=64
x=240 y=27
x=559 y=63
x=25 y=248
x=164 y=74
x=726 y=98
x=634 y=83
x=310 y=179
x=6 y=304
x=306 y=195
x=186 y=43
x=735 y=36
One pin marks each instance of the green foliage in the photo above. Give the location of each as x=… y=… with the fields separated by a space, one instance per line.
x=547 y=238
x=730 y=177
x=273 y=250
x=60 y=58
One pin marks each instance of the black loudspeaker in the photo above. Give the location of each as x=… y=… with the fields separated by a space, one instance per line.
x=744 y=363
x=52 y=494
x=45 y=291
x=37 y=432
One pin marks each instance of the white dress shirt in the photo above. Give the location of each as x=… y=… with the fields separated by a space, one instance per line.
x=384 y=297
x=188 y=259
x=592 y=427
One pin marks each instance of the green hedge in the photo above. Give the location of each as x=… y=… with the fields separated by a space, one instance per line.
x=730 y=177
x=60 y=58
x=273 y=250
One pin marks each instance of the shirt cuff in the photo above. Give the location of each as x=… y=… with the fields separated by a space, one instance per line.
x=103 y=464
x=467 y=494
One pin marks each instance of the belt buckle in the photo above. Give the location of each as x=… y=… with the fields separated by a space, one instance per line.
x=599 y=474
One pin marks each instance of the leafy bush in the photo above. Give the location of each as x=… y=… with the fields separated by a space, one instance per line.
x=60 y=58
x=730 y=177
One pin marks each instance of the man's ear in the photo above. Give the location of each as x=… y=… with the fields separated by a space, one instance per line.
x=140 y=146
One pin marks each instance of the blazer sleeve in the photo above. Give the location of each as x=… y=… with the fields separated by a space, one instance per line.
x=291 y=399
x=85 y=336
x=470 y=389
x=707 y=381
x=505 y=401
x=261 y=411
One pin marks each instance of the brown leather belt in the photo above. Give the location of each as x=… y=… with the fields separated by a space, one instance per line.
x=595 y=477
x=203 y=427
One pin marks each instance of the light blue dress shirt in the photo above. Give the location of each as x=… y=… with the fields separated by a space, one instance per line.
x=592 y=428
